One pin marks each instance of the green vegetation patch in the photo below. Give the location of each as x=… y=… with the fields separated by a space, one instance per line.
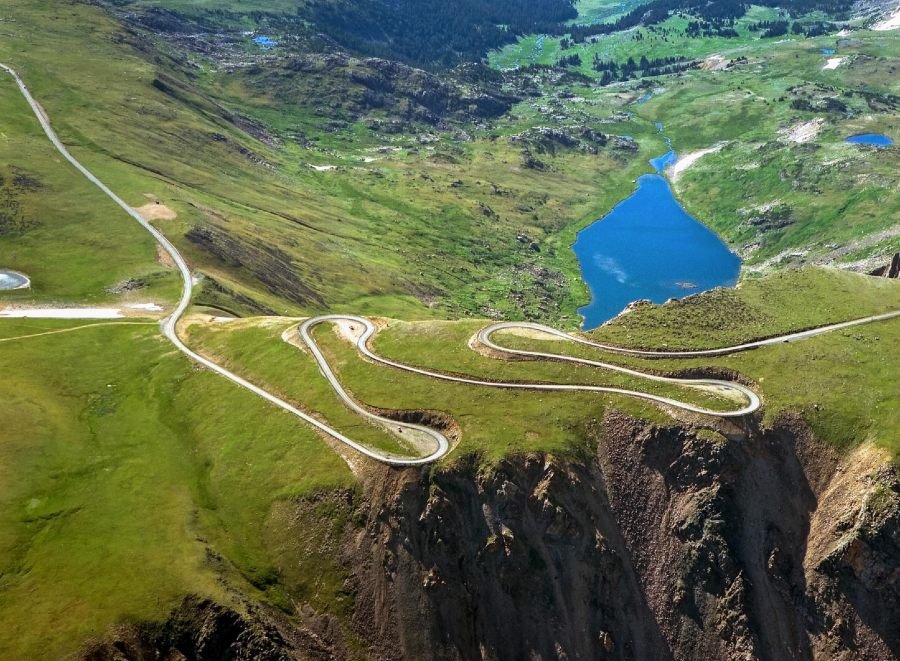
x=72 y=241
x=845 y=383
x=127 y=481
x=778 y=303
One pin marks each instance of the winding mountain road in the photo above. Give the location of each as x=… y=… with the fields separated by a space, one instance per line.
x=484 y=337
x=169 y=324
x=485 y=334
x=441 y=444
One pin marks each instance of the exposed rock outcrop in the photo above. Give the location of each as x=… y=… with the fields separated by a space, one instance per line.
x=656 y=543
x=665 y=544
x=889 y=270
x=201 y=630
x=349 y=89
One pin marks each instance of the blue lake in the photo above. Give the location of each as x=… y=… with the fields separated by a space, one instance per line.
x=649 y=247
x=828 y=51
x=878 y=139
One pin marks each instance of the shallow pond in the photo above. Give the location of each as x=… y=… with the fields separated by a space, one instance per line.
x=13 y=280
x=660 y=163
x=877 y=139
x=649 y=247
x=265 y=43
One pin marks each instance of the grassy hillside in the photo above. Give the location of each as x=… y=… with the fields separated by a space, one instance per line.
x=137 y=460
x=386 y=233
x=141 y=483
x=844 y=384
x=768 y=196
x=75 y=244
x=291 y=207
x=129 y=478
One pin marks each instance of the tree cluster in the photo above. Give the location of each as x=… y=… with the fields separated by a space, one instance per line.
x=443 y=33
x=715 y=18
x=816 y=29
x=716 y=28
x=573 y=60
x=770 y=29
x=613 y=71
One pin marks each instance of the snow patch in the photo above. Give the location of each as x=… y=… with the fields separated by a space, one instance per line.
x=805 y=131
x=149 y=307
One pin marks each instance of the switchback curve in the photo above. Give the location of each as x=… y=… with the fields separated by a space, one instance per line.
x=484 y=336
x=442 y=446
x=169 y=324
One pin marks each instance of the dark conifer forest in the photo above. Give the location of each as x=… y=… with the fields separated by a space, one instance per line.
x=433 y=33
x=437 y=34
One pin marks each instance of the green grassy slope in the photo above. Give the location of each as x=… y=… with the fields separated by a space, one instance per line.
x=392 y=235
x=136 y=460
x=834 y=195
x=776 y=304
x=255 y=349
x=838 y=202
x=73 y=242
x=445 y=226
x=139 y=476
x=128 y=478
x=845 y=384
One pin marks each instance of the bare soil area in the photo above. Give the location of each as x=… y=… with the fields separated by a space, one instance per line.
x=156 y=211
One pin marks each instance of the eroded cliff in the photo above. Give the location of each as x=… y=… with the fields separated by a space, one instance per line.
x=656 y=542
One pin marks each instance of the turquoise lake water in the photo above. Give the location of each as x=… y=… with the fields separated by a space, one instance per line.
x=649 y=247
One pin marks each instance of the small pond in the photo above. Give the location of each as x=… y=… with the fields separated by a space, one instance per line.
x=877 y=139
x=266 y=43
x=13 y=280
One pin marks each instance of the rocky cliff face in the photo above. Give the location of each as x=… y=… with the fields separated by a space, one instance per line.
x=664 y=543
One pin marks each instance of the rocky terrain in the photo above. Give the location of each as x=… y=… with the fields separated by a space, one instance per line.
x=889 y=270
x=344 y=88
x=658 y=542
